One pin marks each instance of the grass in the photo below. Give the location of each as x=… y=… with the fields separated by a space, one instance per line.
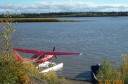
x=36 y=20
x=114 y=74
x=52 y=78
x=39 y=20
x=11 y=71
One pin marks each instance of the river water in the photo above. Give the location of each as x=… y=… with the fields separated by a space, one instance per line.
x=98 y=38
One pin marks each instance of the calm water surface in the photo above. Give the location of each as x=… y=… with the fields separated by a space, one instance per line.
x=96 y=37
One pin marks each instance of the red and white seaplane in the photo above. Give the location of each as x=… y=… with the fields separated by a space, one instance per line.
x=41 y=57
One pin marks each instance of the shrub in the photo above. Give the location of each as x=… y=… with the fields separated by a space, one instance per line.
x=11 y=71
x=52 y=78
x=108 y=72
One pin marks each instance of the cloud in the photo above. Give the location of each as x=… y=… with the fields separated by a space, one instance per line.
x=70 y=6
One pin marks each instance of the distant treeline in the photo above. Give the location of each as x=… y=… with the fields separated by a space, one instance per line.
x=66 y=14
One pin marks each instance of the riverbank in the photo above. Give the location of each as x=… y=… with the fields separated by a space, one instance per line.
x=39 y=20
x=68 y=81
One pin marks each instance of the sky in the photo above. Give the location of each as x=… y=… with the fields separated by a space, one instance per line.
x=43 y=6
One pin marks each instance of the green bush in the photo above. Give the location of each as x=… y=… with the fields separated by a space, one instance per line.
x=52 y=78
x=11 y=70
x=110 y=73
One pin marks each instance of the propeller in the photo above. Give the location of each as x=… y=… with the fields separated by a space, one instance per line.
x=54 y=50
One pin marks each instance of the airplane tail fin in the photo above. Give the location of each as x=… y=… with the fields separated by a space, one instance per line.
x=17 y=56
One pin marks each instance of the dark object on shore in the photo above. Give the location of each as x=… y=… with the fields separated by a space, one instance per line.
x=94 y=72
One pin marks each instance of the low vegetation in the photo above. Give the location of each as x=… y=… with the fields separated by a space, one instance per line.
x=13 y=71
x=36 y=20
x=110 y=73
x=39 y=20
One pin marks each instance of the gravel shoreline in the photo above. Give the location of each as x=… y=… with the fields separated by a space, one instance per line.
x=69 y=81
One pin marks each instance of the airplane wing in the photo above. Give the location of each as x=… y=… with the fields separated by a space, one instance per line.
x=25 y=50
x=59 y=53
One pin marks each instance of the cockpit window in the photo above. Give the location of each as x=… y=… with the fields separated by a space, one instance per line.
x=34 y=56
x=41 y=57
